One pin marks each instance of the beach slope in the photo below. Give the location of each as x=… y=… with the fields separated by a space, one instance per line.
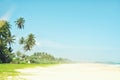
x=81 y=71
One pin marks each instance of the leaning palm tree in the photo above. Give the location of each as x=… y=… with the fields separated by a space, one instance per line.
x=20 y=23
x=29 y=42
x=22 y=40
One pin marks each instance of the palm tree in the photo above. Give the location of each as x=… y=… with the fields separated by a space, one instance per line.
x=10 y=40
x=5 y=35
x=29 y=42
x=22 y=40
x=2 y=22
x=4 y=29
x=4 y=32
x=20 y=22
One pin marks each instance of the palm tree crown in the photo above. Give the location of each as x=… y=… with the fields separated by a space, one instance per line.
x=30 y=42
x=20 y=22
x=10 y=39
x=22 y=40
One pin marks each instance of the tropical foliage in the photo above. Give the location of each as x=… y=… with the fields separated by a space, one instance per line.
x=28 y=43
x=20 y=23
x=38 y=58
x=6 y=51
x=6 y=39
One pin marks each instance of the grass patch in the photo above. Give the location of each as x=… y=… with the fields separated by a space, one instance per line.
x=9 y=69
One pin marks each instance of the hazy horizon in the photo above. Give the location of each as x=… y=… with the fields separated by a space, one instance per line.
x=77 y=30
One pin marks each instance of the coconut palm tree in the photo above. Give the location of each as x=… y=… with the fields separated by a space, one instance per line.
x=5 y=35
x=22 y=40
x=4 y=32
x=4 y=29
x=29 y=42
x=20 y=23
x=10 y=40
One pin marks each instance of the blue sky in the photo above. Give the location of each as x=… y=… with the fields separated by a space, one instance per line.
x=81 y=30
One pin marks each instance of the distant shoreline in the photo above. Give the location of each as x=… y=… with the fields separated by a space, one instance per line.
x=115 y=63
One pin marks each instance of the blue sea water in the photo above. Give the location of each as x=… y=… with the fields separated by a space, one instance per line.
x=112 y=64
x=115 y=65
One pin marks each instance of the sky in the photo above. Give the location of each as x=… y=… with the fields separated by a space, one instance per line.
x=80 y=30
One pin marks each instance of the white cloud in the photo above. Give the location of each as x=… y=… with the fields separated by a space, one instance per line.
x=56 y=45
x=38 y=43
x=51 y=44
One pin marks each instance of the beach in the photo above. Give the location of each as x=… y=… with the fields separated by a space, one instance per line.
x=78 y=71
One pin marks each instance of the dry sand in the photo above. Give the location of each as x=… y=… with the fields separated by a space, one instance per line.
x=81 y=71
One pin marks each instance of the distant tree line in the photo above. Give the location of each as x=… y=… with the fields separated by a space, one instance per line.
x=37 y=58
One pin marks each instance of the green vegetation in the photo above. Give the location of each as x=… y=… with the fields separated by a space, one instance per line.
x=6 y=51
x=45 y=58
x=37 y=58
x=19 y=60
x=9 y=69
x=28 y=43
x=6 y=39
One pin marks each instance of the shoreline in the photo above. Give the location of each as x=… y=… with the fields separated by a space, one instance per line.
x=78 y=71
